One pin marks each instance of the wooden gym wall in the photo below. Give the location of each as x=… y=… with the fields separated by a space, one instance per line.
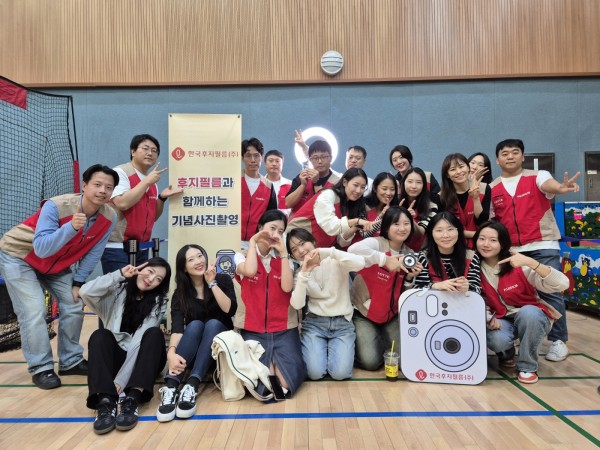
x=221 y=42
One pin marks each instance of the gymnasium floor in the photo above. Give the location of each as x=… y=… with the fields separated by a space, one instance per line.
x=561 y=411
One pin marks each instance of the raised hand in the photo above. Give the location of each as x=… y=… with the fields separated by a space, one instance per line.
x=478 y=174
x=568 y=184
x=78 y=220
x=300 y=141
x=311 y=260
x=210 y=273
x=154 y=176
x=130 y=271
x=474 y=190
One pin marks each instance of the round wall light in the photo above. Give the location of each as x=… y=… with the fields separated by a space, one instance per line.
x=332 y=62
x=322 y=133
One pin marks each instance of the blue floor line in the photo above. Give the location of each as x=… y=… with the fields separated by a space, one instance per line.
x=338 y=415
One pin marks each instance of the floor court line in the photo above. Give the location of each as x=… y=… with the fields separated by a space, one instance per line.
x=337 y=415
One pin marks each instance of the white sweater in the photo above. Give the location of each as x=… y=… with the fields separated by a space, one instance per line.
x=328 y=285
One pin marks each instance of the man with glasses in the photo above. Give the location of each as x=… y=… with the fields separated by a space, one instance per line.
x=258 y=193
x=137 y=202
x=310 y=181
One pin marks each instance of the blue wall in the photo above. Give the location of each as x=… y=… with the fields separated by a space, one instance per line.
x=432 y=118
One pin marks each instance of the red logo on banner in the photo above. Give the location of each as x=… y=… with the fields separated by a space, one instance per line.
x=421 y=374
x=178 y=154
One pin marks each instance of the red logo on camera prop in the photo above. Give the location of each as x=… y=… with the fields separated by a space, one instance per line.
x=178 y=154
x=421 y=374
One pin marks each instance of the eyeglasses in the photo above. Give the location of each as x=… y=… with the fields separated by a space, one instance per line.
x=146 y=149
x=441 y=231
x=319 y=158
x=252 y=156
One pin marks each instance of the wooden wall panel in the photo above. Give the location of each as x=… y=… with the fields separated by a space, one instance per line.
x=199 y=42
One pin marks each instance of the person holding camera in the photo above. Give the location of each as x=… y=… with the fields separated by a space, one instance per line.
x=390 y=268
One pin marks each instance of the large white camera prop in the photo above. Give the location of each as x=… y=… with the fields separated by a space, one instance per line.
x=443 y=337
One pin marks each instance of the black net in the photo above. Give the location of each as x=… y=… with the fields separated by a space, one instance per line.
x=36 y=154
x=37 y=161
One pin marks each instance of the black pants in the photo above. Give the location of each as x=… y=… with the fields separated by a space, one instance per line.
x=105 y=358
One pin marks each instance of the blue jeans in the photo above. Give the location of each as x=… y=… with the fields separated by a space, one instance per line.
x=116 y=258
x=555 y=299
x=530 y=325
x=372 y=339
x=24 y=285
x=328 y=346
x=195 y=344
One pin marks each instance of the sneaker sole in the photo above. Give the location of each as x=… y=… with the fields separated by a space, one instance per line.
x=48 y=387
x=104 y=431
x=528 y=381
x=555 y=358
x=125 y=428
x=185 y=414
x=165 y=417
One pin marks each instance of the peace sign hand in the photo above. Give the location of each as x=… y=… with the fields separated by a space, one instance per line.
x=568 y=184
x=130 y=271
x=154 y=176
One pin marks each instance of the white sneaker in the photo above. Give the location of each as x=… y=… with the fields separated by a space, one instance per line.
x=186 y=406
x=558 y=351
x=168 y=403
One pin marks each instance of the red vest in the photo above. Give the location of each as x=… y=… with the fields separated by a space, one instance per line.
x=283 y=191
x=309 y=192
x=266 y=303
x=528 y=215
x=19 y=240
x=384 y=288
x=466 y=216
x=254 y=206
x=140 y=218
x=515 y=290
x=305 y=218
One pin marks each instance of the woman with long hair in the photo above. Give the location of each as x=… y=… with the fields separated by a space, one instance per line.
x=376 y=289
x=468 y=199
x=322 y=285
x=510 y=283
x=401 y=159
x=202 y=307
x=447 y=263
x=337 y=213
x=265 y=314
x=384 y=193
x=480 y=165
x=415 y=197
x=129 y=352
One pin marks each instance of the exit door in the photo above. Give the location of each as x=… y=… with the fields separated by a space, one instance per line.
x=592 y=176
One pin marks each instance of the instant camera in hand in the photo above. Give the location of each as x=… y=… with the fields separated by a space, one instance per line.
x=443 y=337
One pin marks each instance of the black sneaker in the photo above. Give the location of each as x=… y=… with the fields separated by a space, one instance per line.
x=128 y=414
x=186 y=407
x=46 y=379
x=79 y=369
x=168 y=402
x=105 y=415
